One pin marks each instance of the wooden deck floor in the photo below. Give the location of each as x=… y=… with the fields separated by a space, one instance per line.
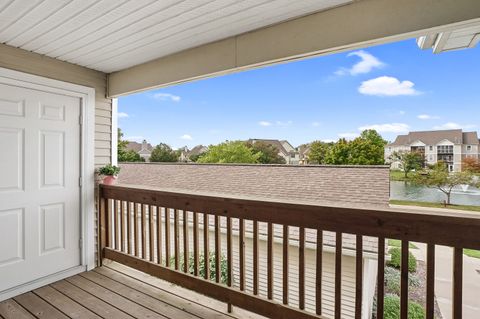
x=115 y=291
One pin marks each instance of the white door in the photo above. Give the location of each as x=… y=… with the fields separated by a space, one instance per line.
x=39 y=184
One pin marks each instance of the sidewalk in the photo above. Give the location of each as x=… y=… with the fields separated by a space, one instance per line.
x=444 y=273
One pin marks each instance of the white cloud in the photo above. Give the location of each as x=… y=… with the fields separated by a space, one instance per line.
x=264 y=123
x=280 y=123
x=387 y=128
x=387 y=86
x=367 y=63
x=316 y=124
x=134 y=138
x=402 y=112
x=348 y=135
x=453 y=126
x=428 y=117
x=122 y=115
x=186 y=137
x=327 y=140
x=166 y=97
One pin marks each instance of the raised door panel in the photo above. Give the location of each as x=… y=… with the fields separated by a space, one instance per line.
x=52 y=228
x=11 y=160
x=52 y=159
x=12 y=107
x=12 y=230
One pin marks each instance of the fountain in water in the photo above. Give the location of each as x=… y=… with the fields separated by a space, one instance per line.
x=464 y=187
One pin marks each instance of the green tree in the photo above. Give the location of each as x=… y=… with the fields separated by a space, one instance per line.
x=163 y=153
x=123 y=154
x=230 y=152
x=318 y=152
x=367 y=149
x=195 y=157
x=268 y=153
x=438 y=177
x=338 y=153
x=409 y=161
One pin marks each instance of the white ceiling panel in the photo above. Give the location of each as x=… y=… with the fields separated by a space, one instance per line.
x=111 y=35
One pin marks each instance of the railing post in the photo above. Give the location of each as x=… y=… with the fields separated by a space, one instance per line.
x=102 y=225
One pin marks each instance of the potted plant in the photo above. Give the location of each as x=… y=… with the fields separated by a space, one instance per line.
x=110 y=172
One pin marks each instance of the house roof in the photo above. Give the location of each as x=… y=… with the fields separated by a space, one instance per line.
x=434 y=137
x=278 y=144
x=197 y=150
x=367 y=186
x=137 y=147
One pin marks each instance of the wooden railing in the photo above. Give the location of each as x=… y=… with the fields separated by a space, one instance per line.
x=135 y=230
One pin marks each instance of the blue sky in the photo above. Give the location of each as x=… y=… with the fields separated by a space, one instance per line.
x=394 y=88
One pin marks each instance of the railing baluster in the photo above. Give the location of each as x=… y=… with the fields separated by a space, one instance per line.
x=143 y=233
x=430 y=300
x=338 y=275
x=102 y=228
x=404 y=281
x=319 y=273
x=241 y=252
x=195 y=243
x=301 y=270
x=129 y=229
x=285 y=264
x=167 y=237
x=380 y=277
x=108 y=209
x=217 y=248
x=176 y=237
x=358 y=277
x=159 y=235
x=151 y=232
x=135 y=229
x=457 y=311
x=186 y=252
x=115 y=215
x=270 y=261
x=206 y=246
x=122 y=226
x=229 y=257
x=255 y=257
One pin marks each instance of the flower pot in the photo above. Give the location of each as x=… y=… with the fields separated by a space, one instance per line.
x=109 y=180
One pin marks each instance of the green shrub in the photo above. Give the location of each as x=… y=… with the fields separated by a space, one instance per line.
x=392 y=280
x=392 y=308
x=109 y=170
x=201 y=266
x=396 y=259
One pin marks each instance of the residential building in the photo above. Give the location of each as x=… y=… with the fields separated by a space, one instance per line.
x=72 y=248
x=143 y=149
x=285 y=149
x=449 y=146
x=186 y=154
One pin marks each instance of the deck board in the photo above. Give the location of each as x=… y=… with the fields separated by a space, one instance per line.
x=10 y=309
x=115 y=291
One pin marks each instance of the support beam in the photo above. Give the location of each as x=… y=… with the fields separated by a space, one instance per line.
x=359 y=24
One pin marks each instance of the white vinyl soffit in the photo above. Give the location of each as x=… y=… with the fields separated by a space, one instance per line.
x=112 y=35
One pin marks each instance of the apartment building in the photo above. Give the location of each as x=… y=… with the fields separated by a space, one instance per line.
x=450 y=146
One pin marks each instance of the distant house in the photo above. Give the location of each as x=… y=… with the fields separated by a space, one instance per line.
x=186 y=154
x=303 y=152
x=144 y=149
x=450 y=146
x=285 y=149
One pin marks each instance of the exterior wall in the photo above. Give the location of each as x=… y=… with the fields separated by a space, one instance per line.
x=28 y=62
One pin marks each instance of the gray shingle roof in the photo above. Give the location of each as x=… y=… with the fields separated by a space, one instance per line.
x=337 y=185
x=434 y=137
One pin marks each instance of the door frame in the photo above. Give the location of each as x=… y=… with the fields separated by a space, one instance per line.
x=87 y=168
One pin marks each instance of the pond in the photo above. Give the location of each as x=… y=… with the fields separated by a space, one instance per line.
x=407 y=191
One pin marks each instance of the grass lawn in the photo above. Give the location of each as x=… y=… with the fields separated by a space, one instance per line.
x=398 y=243
x=472 y=253
x=435 y=205
x=399 y=176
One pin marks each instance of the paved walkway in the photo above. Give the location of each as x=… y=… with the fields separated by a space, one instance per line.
x=444 y=271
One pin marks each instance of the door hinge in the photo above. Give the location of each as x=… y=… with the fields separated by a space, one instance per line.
x=80 y=181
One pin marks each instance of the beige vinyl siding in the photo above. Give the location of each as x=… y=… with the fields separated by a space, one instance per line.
x=33 y=63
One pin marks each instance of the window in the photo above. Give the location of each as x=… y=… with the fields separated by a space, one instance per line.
x=445 y=149
x=469 y=147
x=430 y=148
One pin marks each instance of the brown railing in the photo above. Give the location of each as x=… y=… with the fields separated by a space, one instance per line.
x=135 y=230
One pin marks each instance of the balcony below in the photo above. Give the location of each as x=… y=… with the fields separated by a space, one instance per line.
x=115 y=291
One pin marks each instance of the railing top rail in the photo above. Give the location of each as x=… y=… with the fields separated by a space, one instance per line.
x=430 y=227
